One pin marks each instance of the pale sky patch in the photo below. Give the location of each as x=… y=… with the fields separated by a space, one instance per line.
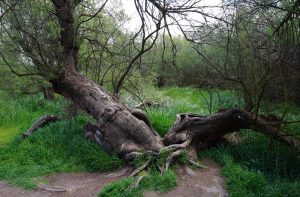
x=134 y=23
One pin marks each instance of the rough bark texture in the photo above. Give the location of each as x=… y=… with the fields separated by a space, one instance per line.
x=48 y=94
x=129 y=131
x=209 y=128
x=126 y=130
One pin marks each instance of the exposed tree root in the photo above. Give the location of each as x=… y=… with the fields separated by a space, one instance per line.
x=196 y=164
x=164 y=158
x=51 y=188
x=130 y=140
x=139 y=169
x=170 y=159
x=137 y=182
x=190 y=129
x=175 y=147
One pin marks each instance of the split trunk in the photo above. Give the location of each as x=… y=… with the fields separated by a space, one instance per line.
x=125 y=130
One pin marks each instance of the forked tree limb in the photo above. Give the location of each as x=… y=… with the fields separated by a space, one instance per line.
x=130 y=131
x=208 y=128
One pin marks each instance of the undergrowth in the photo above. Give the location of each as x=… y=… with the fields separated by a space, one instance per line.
x=17 y=114
x=175 y=100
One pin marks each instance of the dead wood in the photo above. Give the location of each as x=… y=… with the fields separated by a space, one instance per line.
x=128 y=132
x=51 y=188
x=209 y=128
x=146 y=104
x=41 y=122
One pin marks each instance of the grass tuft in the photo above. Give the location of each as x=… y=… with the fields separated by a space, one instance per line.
x=153 y=181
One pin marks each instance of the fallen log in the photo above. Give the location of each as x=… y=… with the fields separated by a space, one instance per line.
x=41 y=122
x=209 y=128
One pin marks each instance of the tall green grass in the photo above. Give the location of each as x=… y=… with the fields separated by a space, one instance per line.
x=175 y=100
x=257 y=166
x=17 y=114
x=58 y=147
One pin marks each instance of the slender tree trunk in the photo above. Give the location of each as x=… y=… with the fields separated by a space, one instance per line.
x=48 y=94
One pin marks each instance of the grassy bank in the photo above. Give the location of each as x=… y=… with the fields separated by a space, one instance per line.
x=58 y=147
x=17 y=113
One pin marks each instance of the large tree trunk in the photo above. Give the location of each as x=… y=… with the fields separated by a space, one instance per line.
x=129 y=131
x=126 y=130
x=203 y=129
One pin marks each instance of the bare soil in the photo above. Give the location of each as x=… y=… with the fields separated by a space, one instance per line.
x=196 y=183
x=200 y=183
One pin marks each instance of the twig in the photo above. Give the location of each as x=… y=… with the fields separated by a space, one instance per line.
x=198 y=165
x=136 y=184
x=138 y=170
x=170 y=159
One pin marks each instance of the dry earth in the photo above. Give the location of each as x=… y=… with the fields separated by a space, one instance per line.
x=198 y=183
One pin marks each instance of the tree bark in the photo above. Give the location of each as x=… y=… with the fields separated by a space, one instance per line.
x=126 y=130
x=48 y=94
x=129 y=131
x=209 y=128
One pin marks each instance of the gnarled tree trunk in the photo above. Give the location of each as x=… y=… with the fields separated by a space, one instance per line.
x=129 y=131
x=126 y=130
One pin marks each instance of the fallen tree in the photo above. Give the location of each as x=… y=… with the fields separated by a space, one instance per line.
x=128 y=132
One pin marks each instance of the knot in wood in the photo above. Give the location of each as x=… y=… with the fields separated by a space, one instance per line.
x=109 y=111
x=181 y=137
x=107 y=114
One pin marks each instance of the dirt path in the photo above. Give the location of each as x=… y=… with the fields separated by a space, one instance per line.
x=200 y=183
x=76 y=184
x=197 y=183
